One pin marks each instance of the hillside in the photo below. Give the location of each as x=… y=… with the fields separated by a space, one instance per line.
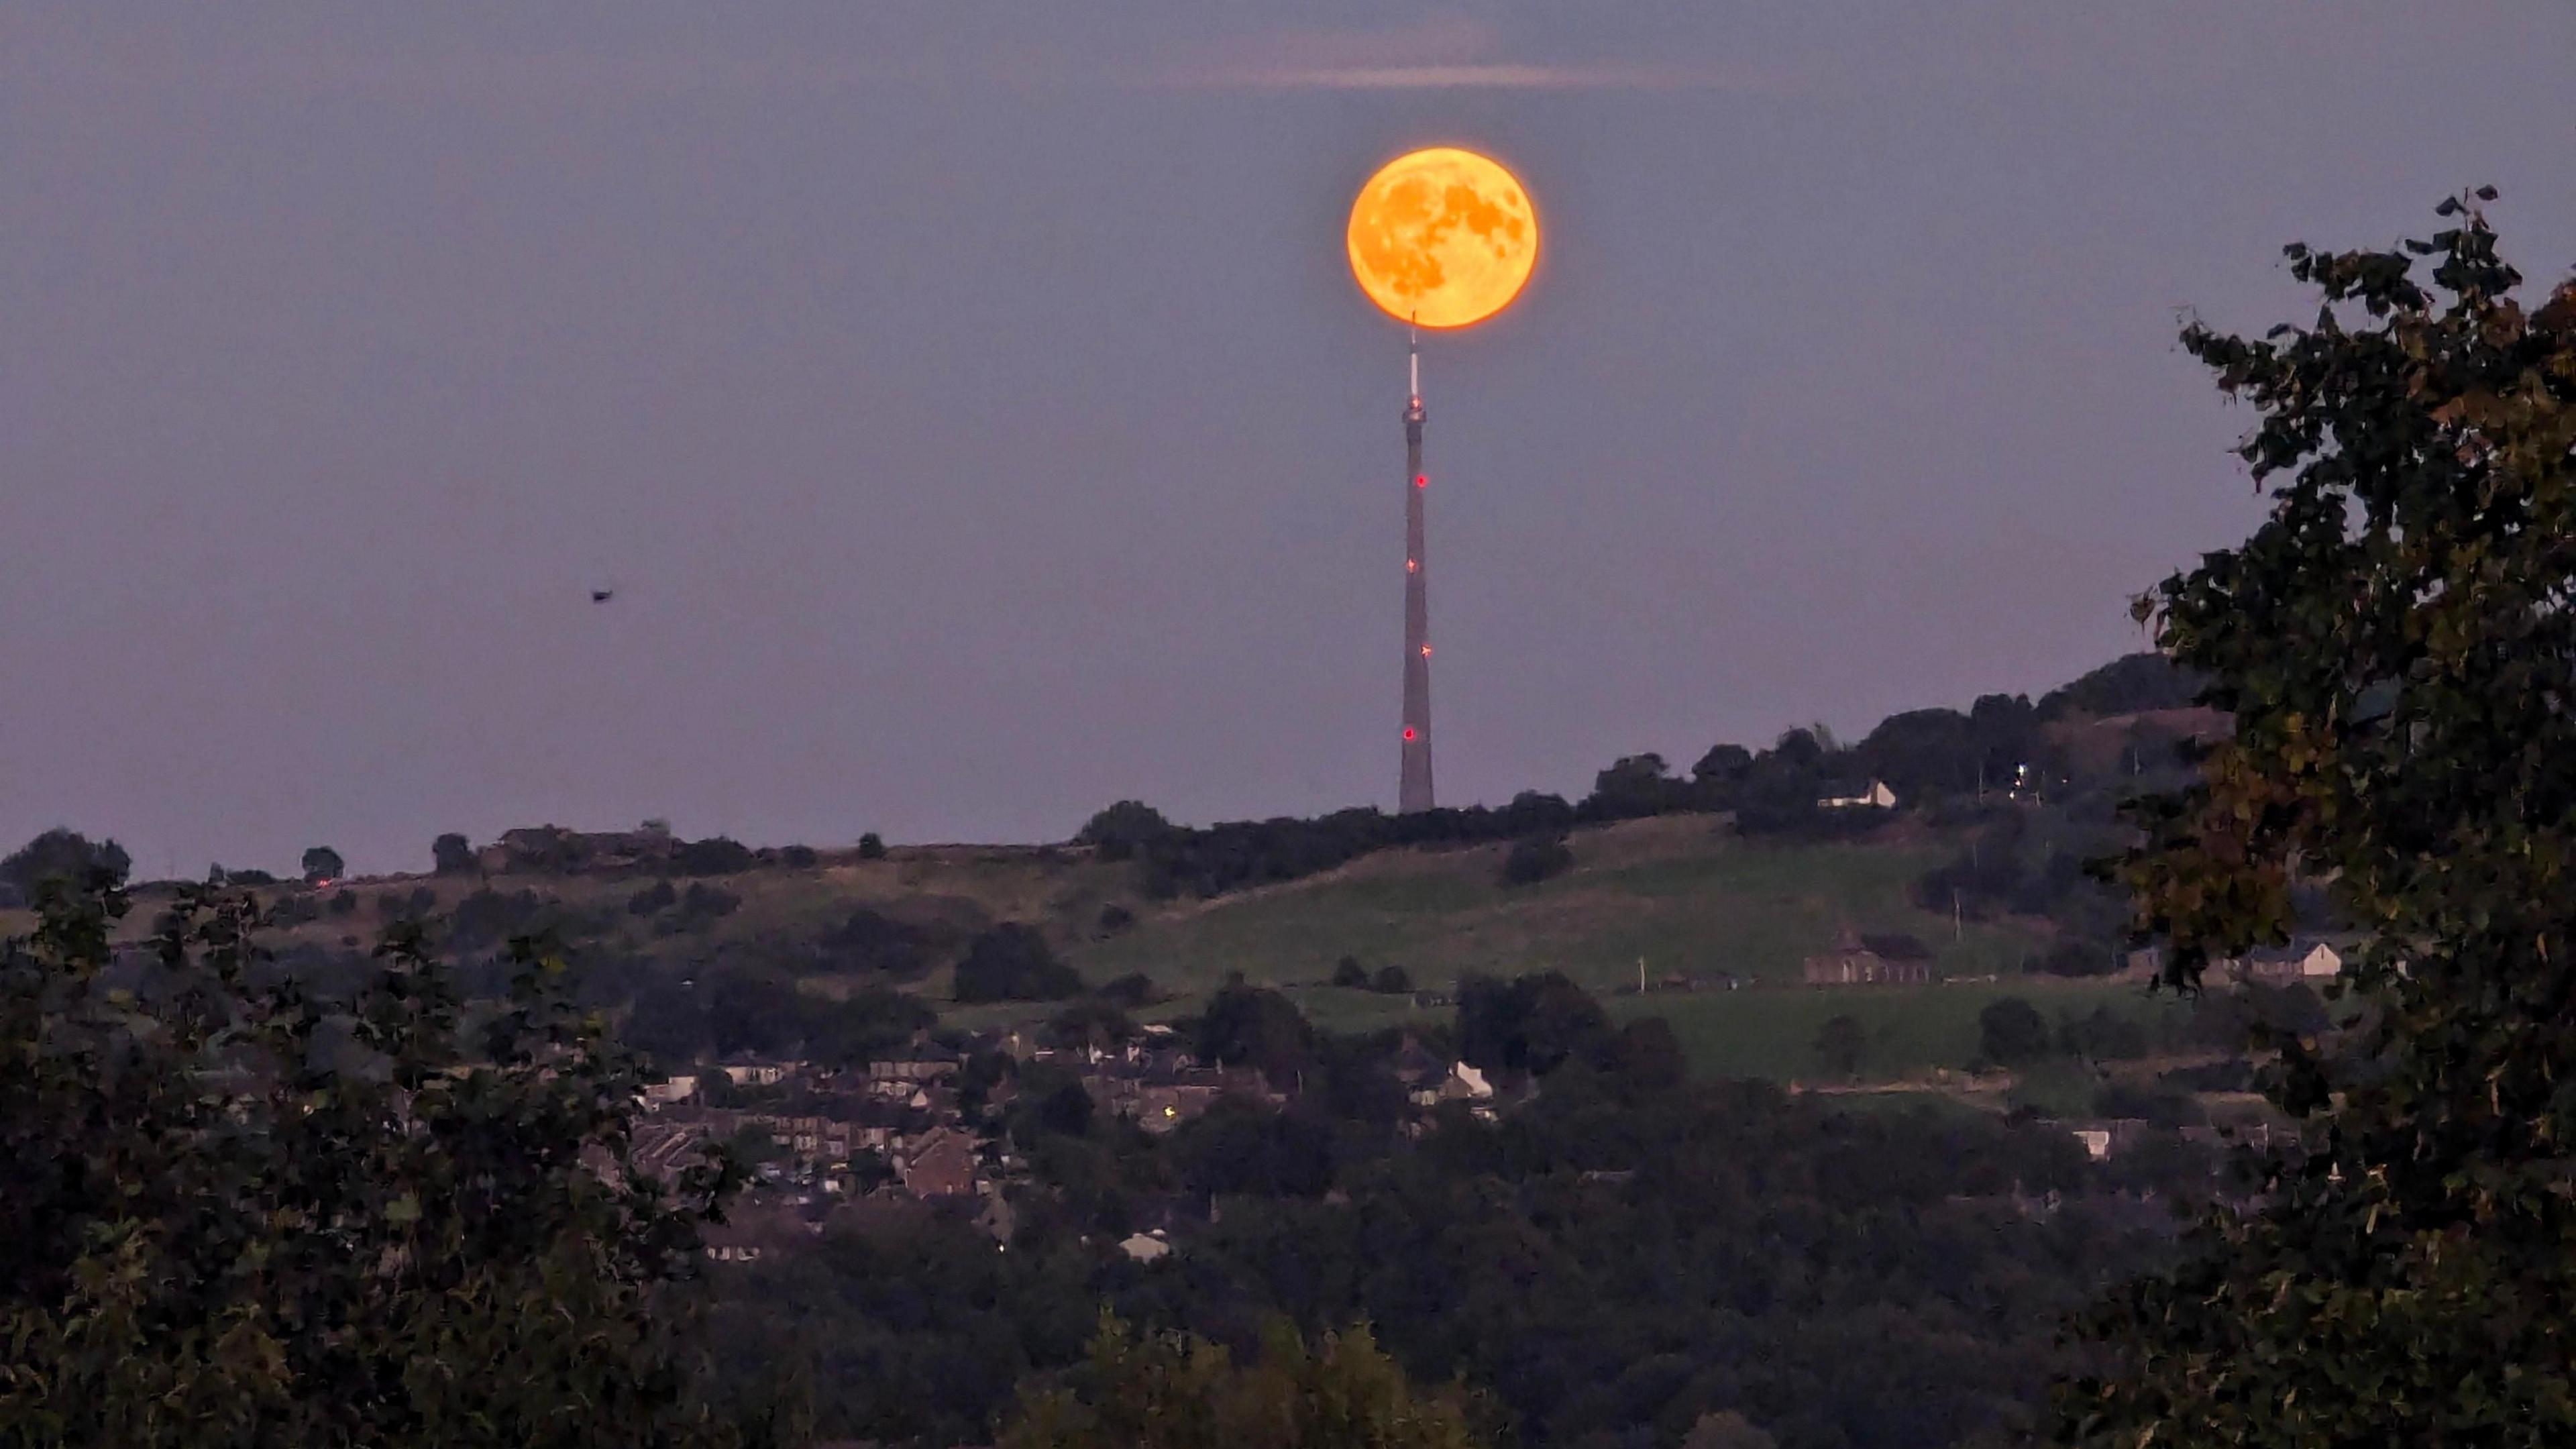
x=1720 y=925
x=1674 y=892
x=1707 y=890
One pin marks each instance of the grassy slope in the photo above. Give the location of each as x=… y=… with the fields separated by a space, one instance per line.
x=1671 y=891
x=1761 y=1032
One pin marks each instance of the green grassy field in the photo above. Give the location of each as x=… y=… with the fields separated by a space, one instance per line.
x=1771 y=1032
x=1671 y=892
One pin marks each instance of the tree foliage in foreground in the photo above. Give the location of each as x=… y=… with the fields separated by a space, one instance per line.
x=232 y=1213
x=1179 y=1391
x=2396 y=647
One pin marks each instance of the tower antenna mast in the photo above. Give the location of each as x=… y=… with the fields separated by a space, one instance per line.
x=1413 y=786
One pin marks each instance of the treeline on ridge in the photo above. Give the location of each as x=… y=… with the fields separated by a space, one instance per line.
x=1927 y=758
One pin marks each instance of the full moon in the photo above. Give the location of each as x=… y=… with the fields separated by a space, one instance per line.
x=1442 y=238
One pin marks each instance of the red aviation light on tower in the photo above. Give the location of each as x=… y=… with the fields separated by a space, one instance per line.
x=1408 y=732
x=1420 y=480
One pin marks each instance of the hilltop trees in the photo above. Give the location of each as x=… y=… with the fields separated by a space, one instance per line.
x=2395 y=645
x=1123 y=829
x=452 y=854
x=59 y=854
x=231 y=1215
x=1636 y=785
x=322 y=863
x=2127 y=685
x=1721 y=768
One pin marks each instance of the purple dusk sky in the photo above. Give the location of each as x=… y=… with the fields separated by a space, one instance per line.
x=971 y=410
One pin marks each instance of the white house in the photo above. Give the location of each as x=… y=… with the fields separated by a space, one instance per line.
x=1876 y=797
x=1463 y=1084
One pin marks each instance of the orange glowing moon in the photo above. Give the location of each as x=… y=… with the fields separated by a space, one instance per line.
x=1443 y=238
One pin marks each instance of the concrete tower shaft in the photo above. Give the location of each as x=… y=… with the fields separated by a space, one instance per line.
x=1413 y=787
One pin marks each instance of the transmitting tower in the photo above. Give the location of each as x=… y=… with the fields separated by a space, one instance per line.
x=1438 y=238
x=1413 y=788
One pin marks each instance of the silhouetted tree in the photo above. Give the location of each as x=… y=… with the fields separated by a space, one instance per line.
x=2012 y=1033
x=1092 y=1021
x=2102 y=1036
x=2127 y=685
x=1247 y=1025
x=64 y=855
x=1841 y=1044
x=452 y=854
x=2394 y=646
x=1642 y=1058
x=715 y=855
x=1012 y=962
x=1535 y=859
x=1723 y=767
x=1633 y=786
x=1124 y=829
x=873 y=942
x=1778 y=794
x=1799 y=747
x=1923 y=754
x=322 y=863
x=1527 y=1024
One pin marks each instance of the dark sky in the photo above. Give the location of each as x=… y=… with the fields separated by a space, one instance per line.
x=971 y=409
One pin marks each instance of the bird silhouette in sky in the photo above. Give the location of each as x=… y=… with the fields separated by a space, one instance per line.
x=602 y=596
